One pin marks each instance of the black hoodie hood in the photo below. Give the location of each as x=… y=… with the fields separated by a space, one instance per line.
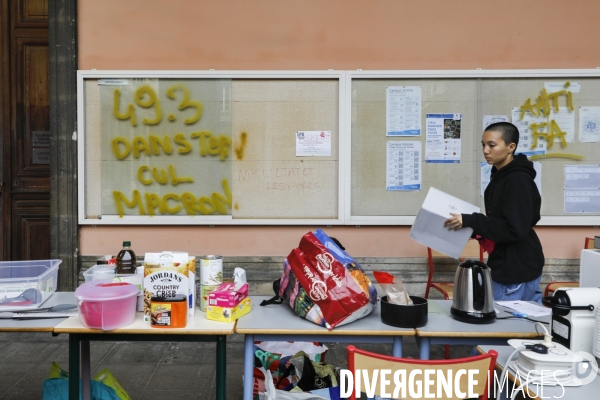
x=519 y=163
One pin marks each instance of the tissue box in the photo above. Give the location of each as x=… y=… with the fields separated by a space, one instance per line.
x=229 y=314
x=225 y=295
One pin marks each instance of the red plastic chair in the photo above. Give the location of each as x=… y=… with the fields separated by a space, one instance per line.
x=364 y=360
x=447 y=288
x=552 y=286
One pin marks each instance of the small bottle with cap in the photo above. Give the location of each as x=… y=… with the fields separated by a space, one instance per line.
x=126 y=260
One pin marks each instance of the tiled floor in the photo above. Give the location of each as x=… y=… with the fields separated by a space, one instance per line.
x=149 y=370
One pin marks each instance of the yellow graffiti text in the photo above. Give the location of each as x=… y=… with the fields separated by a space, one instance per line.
x=545 y=102
x=209 y=144
x=161 y=176
x=554 y=132
x=212 y=144
x=171 y=203
x=185 y=102
x=556 y=155
x=239 y=150
x=146 y=97
x=130 y=114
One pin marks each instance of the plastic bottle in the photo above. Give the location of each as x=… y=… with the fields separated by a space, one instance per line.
x=126 y=260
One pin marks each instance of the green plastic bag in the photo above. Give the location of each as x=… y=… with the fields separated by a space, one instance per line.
x=104 y=386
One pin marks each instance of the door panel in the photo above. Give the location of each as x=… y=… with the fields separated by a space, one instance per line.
x=25 y=125
x=30 y=13
x=32 y=92
x=31 y=222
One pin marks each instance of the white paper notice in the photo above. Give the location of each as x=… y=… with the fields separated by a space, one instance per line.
x=313 y=143
x=532 y=310
x=582 y=188
x=525 y=132
x=403 y=111
x=553 y=87
x=403 y=166
x=486 y=172
x=443 y=138
x=492 y=119
x=589 y=124
x=582 y=201
x=582 y=176
x=565 y=119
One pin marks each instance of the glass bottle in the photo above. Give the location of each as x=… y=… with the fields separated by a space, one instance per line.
x=126 y=261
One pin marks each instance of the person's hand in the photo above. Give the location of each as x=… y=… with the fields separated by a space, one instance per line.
x=454 y=222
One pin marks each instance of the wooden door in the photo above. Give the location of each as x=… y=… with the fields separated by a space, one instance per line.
x=25 y=169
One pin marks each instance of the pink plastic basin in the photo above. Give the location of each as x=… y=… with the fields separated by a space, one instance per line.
x=106 y=305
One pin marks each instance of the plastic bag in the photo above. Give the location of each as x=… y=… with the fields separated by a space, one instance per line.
x=271 y=393
x=393 y=287
x=324 y=285
x=274 y=357
x=104 y=386
x=313 y=375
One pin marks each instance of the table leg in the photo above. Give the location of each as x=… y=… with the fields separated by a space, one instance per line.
x=397 y=346
x=424 y=348
x=221 y=366
x=86 y=376
x=248 y=366
x=73 y=366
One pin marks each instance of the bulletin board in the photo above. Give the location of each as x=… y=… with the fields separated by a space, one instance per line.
x=311 y=147
x=209 y=147
x=473 y=95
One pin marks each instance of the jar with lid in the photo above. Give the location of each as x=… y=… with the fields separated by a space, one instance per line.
x=126 y=260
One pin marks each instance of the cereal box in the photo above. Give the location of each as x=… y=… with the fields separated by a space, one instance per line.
x=167 y=274
x=229 y=314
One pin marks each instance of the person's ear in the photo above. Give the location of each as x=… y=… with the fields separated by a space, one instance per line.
x=512 y=147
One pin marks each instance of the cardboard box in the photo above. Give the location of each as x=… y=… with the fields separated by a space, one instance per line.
x=428 y=228
x=225 y=295
x=229 y=314
x=167 y=274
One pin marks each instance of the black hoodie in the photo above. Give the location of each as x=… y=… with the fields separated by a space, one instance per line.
x=512 y=208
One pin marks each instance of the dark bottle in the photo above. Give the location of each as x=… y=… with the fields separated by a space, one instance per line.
x=126 y=261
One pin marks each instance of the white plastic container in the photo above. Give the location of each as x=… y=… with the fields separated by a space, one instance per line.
x=18 y=276
x=106 y=305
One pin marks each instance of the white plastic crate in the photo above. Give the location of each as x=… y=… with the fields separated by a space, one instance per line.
x=27 y=284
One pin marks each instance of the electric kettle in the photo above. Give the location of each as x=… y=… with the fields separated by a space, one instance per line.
x=473 y=299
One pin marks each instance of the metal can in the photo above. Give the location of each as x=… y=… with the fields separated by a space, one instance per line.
x=168 y=312
x=211 y=270
x=203 y=295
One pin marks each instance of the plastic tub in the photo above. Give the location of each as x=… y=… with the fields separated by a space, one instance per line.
x=106 y=305
x=18 y=276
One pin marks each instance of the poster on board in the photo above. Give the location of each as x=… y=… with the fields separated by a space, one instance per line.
x=403 y=111
x=313 y=143
x=527 y=143
x=582 y=189
x=589 y=124
x=443 y=138
x=403 y=165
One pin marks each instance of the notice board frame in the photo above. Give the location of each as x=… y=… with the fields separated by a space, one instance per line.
x=566 y=74
x=345 y=79
x=83 y=75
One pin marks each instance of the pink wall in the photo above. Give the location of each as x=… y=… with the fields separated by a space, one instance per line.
x=338 y=34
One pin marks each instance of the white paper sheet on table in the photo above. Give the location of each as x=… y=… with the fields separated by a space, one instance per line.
x=532 y=310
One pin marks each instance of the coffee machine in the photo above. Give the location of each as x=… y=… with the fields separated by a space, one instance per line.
x=573 y=317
